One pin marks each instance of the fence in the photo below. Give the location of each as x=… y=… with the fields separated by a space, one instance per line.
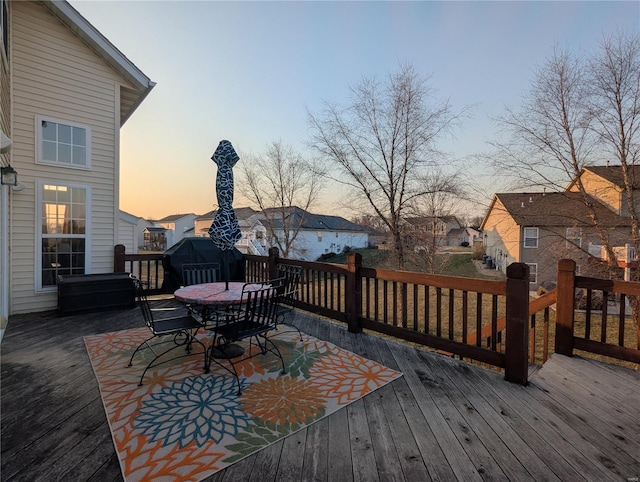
x=490 y=322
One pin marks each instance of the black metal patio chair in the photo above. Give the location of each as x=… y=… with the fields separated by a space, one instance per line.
x=287 y=285
x=199 y=273
x=176 y=331
x=252 y=319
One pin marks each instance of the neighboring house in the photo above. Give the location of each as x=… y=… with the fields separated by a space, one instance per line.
x=253 y=239
x=424 y=231
x=317 y=234
x=131 y=231
x=65 y=91
x=177 y=226
x=155 y=239
x=606 y=183
x=541 y=228
x=127 y=231
x=459 y=236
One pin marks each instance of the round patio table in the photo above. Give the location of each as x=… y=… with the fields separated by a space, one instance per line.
x=207 y=295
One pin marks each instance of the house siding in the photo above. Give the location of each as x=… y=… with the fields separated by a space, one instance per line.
x=307 y=247
x=55 y=74
x=127 y=236
x=605 y=191
x=502 y=233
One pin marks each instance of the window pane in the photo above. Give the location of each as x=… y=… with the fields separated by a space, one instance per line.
x=49 y=151
x=64 y=133
x=61 y=256
x=49 y=131
x=79 y=137
x=79 y=195
x=79 y=154
x=64 y=153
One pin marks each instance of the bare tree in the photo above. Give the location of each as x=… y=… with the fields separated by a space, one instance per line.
x=577 y=111
x=549 y=134
x=278 y=182
x=436 y=205
x=614 y=102
x=382 y=142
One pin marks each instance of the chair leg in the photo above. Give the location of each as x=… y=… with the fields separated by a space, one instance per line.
x=280 y=321
x=138 y=349
x=232 y=370
x=275 y=350
x=188 y=342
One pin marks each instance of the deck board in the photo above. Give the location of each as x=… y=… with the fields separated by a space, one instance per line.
x=443 y=420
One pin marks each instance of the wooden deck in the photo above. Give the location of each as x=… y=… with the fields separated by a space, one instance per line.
x=443 y=420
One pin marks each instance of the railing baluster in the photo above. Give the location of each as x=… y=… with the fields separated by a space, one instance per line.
x=451 y=314
x=623 y=310
x=438 y=312
x=465 y=315
x=415 y=307
x=605 y=316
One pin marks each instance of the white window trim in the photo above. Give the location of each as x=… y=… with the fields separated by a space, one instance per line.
x=535 y=281
x=38 y=248
x=524 y=238
x=88 y=147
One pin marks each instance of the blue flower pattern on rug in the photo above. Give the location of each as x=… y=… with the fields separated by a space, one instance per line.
x=197 y=410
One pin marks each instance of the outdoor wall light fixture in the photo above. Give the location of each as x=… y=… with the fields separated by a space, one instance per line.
x=9 y=176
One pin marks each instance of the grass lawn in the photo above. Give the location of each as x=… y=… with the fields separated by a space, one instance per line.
x=452 y=264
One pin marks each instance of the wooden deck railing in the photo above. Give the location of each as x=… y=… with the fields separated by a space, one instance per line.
x=490 y=322
x=147 y=267
x=606 y=326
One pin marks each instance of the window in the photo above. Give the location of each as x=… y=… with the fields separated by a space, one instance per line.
x=63 y=143
x=574 y=237
x=319 y=236
x=533 y=272
x=530 y=237
x=63 y=244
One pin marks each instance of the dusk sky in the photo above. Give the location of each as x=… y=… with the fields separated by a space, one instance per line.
x=248 y=72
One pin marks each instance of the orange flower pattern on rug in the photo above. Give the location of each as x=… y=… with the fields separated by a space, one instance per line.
x=184 y=425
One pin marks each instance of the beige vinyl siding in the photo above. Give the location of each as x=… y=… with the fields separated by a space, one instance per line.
x=503 y=232
x=54 y=74
x=603 y=190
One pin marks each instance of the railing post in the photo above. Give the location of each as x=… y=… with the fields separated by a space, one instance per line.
x=353 y=292
x=565 y=306
x=272 y=263
x=118 y=258
x=516 y=354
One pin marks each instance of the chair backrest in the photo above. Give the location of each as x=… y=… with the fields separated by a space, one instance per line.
x=198 y=273
x=147 y=315
x=288 y=291
x=259 y=305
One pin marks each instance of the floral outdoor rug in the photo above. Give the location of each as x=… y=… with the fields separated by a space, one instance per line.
x=183 y=424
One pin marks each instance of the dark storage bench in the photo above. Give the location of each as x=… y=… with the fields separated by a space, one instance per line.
x=95 y=292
